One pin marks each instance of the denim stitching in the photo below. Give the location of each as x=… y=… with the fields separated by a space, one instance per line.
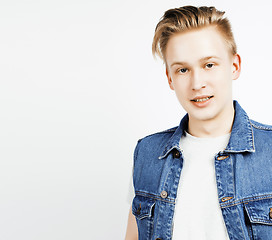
x=167 y=177
x=174 y=147
x=258 y=220
x=253 y=142
x=245 y=200
x=261 y=221
x=241 y=228
x=252 y=138
x=155 y=197
x=233 y=177
x=267 y=127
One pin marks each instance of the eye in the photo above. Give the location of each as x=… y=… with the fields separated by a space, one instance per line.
x=183 y=70
x=209 y=65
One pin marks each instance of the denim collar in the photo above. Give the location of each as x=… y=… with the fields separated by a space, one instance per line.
x=241 y=138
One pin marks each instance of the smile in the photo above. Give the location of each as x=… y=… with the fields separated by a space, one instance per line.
x=201 y=99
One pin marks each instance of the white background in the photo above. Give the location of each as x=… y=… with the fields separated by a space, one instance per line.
x=78 y=88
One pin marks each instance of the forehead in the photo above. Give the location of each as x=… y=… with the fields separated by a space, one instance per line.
x=196 y=44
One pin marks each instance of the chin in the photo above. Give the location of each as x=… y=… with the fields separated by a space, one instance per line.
x=203 y=117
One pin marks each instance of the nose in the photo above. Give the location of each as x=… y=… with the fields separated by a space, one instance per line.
x=197 y=80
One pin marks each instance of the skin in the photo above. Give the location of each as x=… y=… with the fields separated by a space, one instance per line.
x=199 y=64
x=132 y=230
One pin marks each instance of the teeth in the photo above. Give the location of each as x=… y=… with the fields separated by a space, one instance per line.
x=202 y=99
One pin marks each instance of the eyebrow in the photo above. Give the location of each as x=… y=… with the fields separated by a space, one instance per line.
x=200 y=60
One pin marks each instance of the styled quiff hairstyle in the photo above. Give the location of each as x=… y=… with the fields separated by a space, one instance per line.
x=178 y=20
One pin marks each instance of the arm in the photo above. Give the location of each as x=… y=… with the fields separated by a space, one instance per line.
x=132 y=230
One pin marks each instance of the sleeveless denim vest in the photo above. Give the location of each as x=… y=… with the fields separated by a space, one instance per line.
x=243 y=175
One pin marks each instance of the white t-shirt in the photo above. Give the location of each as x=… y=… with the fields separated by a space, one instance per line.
x=197 y=212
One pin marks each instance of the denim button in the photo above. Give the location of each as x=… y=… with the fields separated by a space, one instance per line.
x=164 y=194
x=176 y=154
x=224 y=199
x=270 y=213
x=158 y=239
x=222 y=157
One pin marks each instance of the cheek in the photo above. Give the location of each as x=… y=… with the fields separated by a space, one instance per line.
x=180 y=87
x=181 y=92
x=223 y=78
x=181 y=82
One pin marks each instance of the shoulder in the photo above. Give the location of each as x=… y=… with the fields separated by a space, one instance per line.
x=262 y=135
x=165 y=134
x=155 y=142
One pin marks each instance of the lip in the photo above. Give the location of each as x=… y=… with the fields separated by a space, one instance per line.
x=201 y=97
x=206 y=99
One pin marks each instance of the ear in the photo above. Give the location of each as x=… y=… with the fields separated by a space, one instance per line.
x=170 y=82
x=236 y=66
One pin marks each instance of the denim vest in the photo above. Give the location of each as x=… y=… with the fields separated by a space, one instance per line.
x=243 y=175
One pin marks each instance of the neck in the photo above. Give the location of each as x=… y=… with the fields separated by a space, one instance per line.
x=214 y=127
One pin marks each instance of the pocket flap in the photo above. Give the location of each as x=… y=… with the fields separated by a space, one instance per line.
x=260 y=211
x=142 y=206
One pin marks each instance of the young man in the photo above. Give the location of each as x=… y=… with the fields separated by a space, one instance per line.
x=210 y=177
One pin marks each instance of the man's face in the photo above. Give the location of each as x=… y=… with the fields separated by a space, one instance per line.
x=200 y=69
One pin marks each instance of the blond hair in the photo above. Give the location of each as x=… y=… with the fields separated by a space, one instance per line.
x=178 y=20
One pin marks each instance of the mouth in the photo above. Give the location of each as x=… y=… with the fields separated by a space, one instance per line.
x=202 y=98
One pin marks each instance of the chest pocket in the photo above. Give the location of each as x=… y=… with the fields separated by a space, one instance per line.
x=143 y=210
x=260 y=217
